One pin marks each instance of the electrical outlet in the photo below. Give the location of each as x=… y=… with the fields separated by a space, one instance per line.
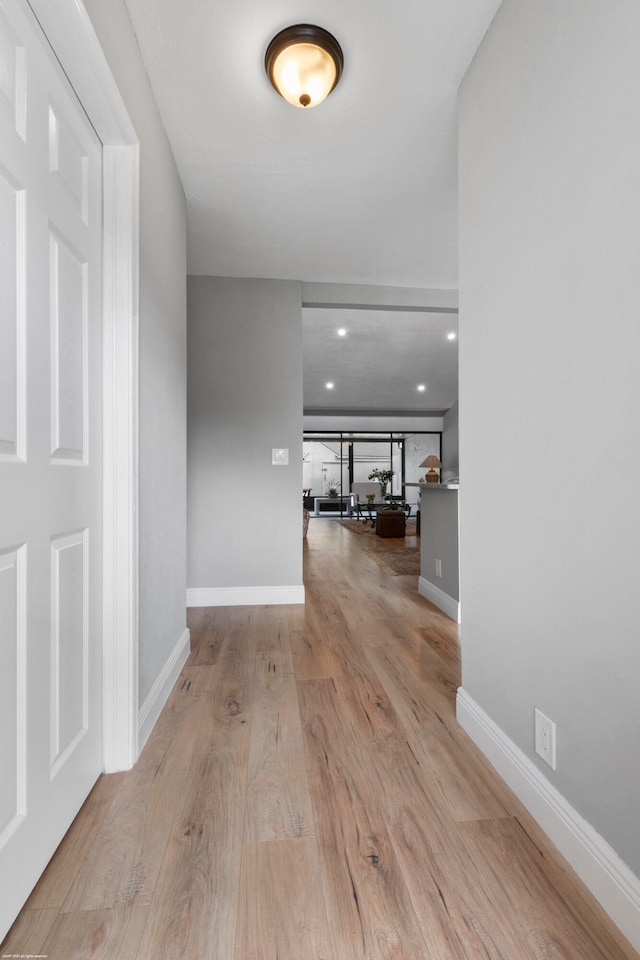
x=438 y=568
x=545 y=738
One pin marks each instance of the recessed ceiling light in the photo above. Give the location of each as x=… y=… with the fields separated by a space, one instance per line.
x=342 y=332
x=329 y=386
x=421 y=387
x=451 y=336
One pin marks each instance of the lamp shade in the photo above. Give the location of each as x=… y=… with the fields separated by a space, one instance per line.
x=304 y=63
x=431 y=461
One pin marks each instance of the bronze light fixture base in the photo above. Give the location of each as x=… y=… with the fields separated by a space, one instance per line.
x=304 y=63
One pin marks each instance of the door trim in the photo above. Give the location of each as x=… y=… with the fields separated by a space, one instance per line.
x=74 y=42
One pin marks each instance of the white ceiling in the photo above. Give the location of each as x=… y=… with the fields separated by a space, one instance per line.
x=361 y=189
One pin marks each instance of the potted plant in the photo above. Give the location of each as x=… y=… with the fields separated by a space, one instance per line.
x=384 y=479
x=333 y=488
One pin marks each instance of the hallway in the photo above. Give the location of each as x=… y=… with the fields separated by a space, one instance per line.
x=308 y=795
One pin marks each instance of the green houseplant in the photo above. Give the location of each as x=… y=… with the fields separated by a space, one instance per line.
x=384 y=479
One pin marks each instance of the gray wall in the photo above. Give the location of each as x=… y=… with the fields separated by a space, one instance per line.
x=162 y=361
x=549 y=142
x=373 y=423
x=450 y=443
x=244 y=399
x=439 y=538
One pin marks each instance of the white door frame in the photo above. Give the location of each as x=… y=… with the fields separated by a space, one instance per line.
x=73 y=39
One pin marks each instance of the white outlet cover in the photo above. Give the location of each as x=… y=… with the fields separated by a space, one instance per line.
x=279 y=456
x=545 y=738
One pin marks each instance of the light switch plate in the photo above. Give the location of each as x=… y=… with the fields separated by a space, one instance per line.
x=279 y=456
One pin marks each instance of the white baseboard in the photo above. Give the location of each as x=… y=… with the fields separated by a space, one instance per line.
x=438 y=597
x=159 y=693
x=243 y=596
x=597 y=864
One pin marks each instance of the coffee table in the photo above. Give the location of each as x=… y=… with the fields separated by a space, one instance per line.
x=368 y=511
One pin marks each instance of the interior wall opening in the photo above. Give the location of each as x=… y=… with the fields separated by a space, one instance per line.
x=334 y=461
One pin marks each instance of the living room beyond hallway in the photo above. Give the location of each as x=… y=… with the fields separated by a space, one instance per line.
x=307 y=792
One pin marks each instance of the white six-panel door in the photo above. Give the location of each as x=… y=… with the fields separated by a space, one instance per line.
x=50 y=456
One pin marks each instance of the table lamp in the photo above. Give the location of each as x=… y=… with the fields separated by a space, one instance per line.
x=432 y=463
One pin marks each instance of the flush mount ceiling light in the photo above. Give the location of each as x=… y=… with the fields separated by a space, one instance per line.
x=304 y=64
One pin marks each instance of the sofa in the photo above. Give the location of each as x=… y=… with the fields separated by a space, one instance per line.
x=362 y=487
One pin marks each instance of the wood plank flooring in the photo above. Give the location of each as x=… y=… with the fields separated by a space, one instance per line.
x=308 y=795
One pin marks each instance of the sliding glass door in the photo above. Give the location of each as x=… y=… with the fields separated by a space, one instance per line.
x=370 y=455
x=333 y=462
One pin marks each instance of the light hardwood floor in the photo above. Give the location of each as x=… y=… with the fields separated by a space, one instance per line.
x=308 y=795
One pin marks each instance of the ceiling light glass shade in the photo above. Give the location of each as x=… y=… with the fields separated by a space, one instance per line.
x=304 y=64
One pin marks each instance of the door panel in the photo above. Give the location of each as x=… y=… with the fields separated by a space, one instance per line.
x=69 y=645
x=50 y=456
x=12 y=690
x=68 y=313
x=12 y=316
